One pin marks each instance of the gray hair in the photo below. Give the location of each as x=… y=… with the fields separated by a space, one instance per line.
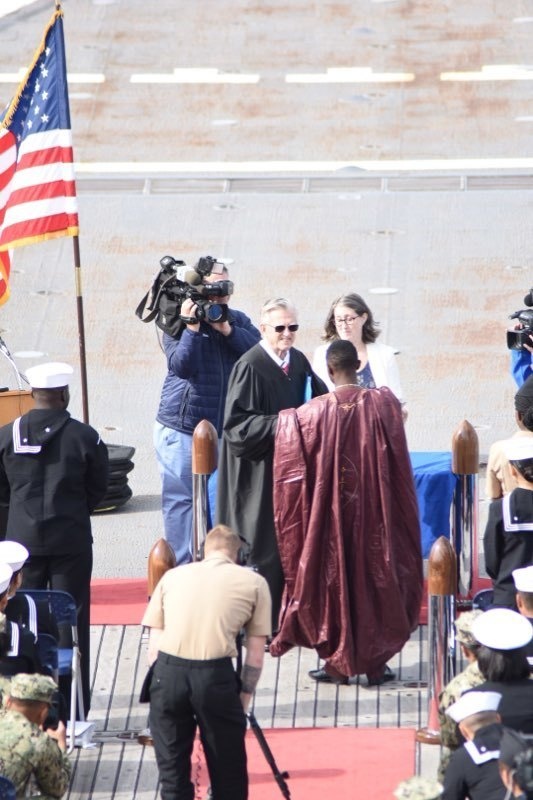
x=273 y=305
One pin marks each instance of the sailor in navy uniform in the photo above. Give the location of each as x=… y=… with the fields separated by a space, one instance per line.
x=473 y=769
x=523 y=581
x=508 y=538
x=18 y=649
x=53 y=474
x=34 y=616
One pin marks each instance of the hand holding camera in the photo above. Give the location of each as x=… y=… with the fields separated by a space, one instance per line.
x=182 y=295
x=521 y=337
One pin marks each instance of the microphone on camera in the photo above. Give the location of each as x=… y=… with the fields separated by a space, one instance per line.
x=528 y=299
x=188 y=275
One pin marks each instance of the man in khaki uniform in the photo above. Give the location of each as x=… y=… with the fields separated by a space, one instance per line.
x=195 y=615
x=499 y=479
x=469 y=678
x=34 y=760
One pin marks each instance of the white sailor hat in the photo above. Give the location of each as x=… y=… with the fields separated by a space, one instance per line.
x=523 y=579
x=472 y=703
x=49 y=376
x=14 y=554
x=5 y=577
x=502 y=629
x=519 y=448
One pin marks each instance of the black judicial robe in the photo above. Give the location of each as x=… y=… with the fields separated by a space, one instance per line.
x=258 y=390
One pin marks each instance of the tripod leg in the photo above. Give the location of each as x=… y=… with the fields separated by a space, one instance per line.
x=267 y=752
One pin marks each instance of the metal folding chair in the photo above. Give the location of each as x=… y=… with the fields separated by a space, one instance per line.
x=7 y=790
x=64 y=610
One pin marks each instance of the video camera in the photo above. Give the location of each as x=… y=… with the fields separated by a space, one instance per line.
x=176 y=282
x=517 y=338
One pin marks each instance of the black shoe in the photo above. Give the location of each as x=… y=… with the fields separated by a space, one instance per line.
x=322 y=676
x=386 y=676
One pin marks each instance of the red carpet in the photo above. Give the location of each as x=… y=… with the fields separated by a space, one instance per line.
x=118 y=601
x=121 y=601
x=328 y=762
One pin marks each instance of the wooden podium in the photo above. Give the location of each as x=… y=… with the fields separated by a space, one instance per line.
x=13 y=404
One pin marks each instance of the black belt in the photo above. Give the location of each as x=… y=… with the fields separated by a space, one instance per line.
x=176 y=661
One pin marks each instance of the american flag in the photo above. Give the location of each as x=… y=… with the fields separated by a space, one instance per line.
x=5 y=266
x=37 y=187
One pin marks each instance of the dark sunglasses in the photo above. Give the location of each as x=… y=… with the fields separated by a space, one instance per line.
x=280 y=328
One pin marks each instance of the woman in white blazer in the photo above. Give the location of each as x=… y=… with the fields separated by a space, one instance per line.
x=350 y=318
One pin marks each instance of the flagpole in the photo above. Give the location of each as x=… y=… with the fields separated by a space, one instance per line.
x=37 y=205
x=81 y=329
x=79 y=308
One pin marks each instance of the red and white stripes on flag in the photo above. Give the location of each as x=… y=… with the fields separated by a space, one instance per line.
x=37 y=186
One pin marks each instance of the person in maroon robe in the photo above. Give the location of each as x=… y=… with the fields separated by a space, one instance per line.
x=347 y=526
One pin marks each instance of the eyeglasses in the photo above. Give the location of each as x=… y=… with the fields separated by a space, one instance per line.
x=347 y=320
x=280 y=328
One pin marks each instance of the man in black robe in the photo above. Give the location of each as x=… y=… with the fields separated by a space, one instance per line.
x=53 y=474
x=270 y=377
x=346 y=516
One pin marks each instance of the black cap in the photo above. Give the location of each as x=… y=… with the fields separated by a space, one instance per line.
x=523 y=399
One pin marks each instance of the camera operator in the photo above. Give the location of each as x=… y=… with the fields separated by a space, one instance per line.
x=520 y=342
x=199 y=360
x=522 y=363
x=195 y=615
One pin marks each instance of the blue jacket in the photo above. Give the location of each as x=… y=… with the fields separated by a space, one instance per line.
x=199 y=365
x=521 y=365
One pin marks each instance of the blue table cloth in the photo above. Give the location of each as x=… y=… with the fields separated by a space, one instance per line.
x=435 y=484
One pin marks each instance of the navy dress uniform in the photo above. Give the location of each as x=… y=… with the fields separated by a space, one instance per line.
x=53 y=474
x=508 y=537
x=31 y=615
x=508 y=632
x=523 y=581
x=473 y=769
x=516 y=765
x=18 y=650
